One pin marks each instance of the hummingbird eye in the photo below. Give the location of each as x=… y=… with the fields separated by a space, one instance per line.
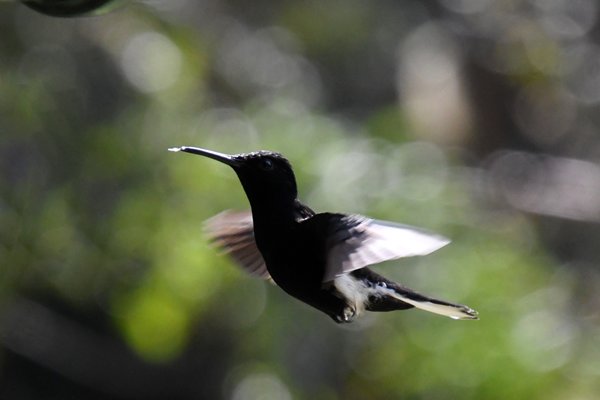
x=266 y=164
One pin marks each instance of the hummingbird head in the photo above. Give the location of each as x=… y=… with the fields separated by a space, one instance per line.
x=267 y=177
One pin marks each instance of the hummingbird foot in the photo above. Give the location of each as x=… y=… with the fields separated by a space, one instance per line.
x=348 y=315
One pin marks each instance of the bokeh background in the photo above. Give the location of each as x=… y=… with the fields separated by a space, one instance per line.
x=475 y=119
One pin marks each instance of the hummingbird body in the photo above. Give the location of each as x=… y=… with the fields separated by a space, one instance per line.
x=320 y=259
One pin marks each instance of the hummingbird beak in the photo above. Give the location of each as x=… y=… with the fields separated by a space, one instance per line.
x=224 y=158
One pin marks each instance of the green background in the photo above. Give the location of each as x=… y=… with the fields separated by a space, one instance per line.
x=477 y=120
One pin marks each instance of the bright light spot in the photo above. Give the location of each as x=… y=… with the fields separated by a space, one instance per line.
x=261 y=386
x=542 y=340
x=430 y=84
x=560 y=187
x=346 y=175
x=417 y=179
x=261 y=62
x=429 y=56
x=154 y=324
x=151 y=62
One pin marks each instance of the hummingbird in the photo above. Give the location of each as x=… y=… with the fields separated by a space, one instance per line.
x=320 y=259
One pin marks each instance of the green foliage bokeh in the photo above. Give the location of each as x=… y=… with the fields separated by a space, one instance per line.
x=96 y=213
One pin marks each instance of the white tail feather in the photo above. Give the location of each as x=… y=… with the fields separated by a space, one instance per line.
x=452 y=311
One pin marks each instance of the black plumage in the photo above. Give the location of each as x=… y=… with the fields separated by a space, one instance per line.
x=320 y=259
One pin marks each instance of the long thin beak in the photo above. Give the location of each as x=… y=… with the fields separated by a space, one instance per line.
x=224 y=158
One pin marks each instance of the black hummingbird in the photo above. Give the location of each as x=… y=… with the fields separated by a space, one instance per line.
x=320 y=259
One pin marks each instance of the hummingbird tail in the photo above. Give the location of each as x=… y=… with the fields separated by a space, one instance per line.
x=441 y=307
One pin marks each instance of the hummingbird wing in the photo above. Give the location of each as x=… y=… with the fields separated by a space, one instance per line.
x=354 y=242
x=233 y=232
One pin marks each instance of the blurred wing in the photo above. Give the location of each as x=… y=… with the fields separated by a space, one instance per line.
x=233 y=231
x=354 y=241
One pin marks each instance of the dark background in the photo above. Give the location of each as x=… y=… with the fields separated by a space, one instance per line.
x=475 y=119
